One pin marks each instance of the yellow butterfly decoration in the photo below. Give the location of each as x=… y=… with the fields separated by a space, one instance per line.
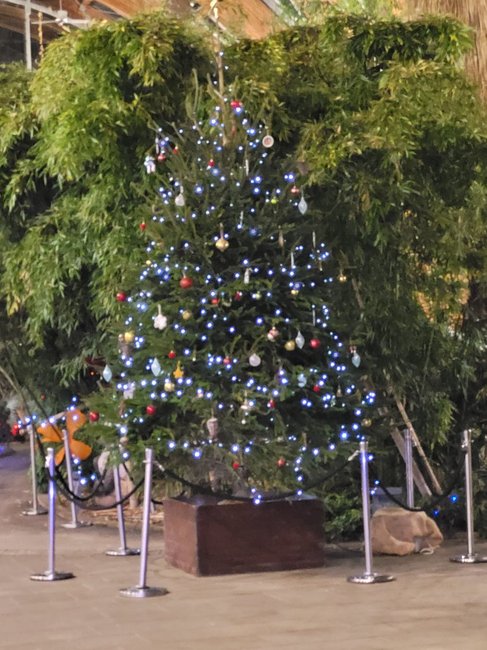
x=49 y=432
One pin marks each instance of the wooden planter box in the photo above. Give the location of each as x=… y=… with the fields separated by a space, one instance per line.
x=205 y=538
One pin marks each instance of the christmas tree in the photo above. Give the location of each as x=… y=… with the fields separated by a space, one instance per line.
x=229 y=366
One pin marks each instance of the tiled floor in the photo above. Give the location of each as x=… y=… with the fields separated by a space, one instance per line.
x=433 y=605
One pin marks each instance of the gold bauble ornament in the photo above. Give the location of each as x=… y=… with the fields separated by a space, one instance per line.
x=186 y=314
x=129 y=337
x=366 y=422
x=179 y=372
x=342 y=278
x=290 y=345
x=169 y=386
x=222 y=244
x=294 y=292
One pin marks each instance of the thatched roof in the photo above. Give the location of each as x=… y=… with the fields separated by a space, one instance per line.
x=472 y=12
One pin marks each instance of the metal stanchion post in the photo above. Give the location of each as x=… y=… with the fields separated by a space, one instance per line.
x=51 y=574
x=36 y=509
x=408 y=452
x=74 y=523
x=124 y=549
x=142 y=590
x=470 y=557
x=369 y=577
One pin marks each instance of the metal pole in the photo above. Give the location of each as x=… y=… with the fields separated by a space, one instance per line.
x=369 y=577
x=142 y=590
x=51 y=574
x=36 y=509
x=470 y=557
x=408 y=449
x=124 y=549
x=27 y=36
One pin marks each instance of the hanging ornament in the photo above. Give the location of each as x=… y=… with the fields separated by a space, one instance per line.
x=15 y=429
x=236 y=104
x=222 y=244
x=257 y=295
x=107 y=373
x=316 y=388
x=129 y=392
x=246 y=406
x=280 y=239
x=268 y=141
x=303 y=206
x=290 y=345
x=227 y=361
x=272 y=334
x=179 y=200
x=339 y=392
x=150 y=409
x=186 y=314
x=129 y=337
x=271 y=404
x=342 y=277
x=355 y=356
x=301 y=380
x=295 y=190
x=169 y=386
x=121 y=296
x=211 y=163
x=235 y=465
x=155 y=367
x=160 y=321
x=281 y=462
x=255 y=360
x=212 y=426
x=172 y=354
x=238 y=295
x=185 y=282
x=315 y=344
x=247 y=276
x=294 y=292
x=143 y=226
x=150 y=164
x=179 y=372
x=366 y=422
x=300 y=340
x=161 y=157
x=93 y=416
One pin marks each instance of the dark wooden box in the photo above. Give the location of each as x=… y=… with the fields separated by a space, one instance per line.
x=206 y=538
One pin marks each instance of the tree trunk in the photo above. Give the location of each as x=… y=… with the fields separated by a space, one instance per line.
x=471 y=12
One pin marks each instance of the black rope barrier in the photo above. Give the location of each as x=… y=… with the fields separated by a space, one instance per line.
x=70 y=496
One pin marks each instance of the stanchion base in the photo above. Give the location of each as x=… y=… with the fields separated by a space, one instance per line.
x=77 y=524
x=34 y=511
x=143 y=592
x=51 y=576
x=469 y=559
x=122 y=552
x=370 y=579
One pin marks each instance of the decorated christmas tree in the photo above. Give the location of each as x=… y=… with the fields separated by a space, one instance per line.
x=229 y=365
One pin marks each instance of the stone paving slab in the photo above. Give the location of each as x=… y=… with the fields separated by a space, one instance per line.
x=433 y=605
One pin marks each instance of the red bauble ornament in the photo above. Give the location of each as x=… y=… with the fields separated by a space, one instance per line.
x=215 y=301
x=185 y=282
x=15 y=430
x=238 y=295
x=281 y=462
x=94 y=416
x=150 y=409
x=235 y=464
x=295 y=190
x=161 y=157
x=235 y=103
x=172 y=354
x=143 y=226
x=211 y=163
x=175 y=150
x=316 y=388
x=121 y=296
x=315 y=344
x=227 y=361
x=271 y=404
